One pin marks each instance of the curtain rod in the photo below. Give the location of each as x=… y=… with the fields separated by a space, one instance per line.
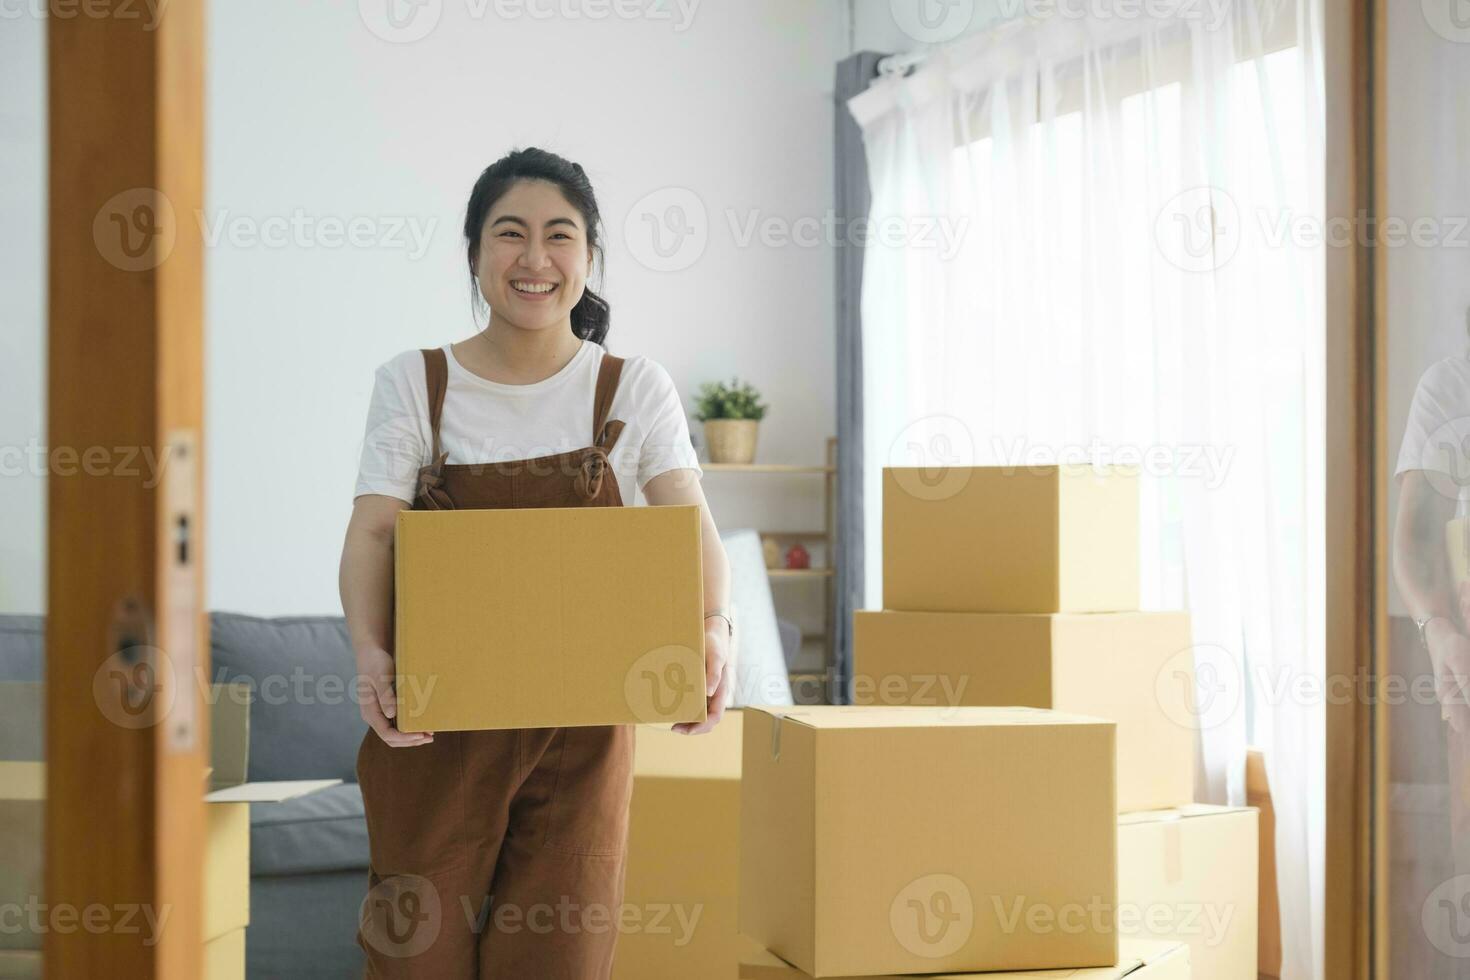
x=903 y=63
x=966 y=45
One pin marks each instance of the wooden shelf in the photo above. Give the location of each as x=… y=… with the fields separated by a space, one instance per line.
x=825 y=539
x=788 y=468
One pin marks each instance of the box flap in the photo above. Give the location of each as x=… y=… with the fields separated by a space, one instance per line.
x=268 y=792
x=1188 y=812
x=921 y=716
x=27 y=781
x=24 y=781
x=229 y=734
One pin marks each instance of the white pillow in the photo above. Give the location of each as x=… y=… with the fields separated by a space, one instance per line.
x=760 y=661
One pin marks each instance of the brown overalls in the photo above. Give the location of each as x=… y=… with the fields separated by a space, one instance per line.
x=500 y=854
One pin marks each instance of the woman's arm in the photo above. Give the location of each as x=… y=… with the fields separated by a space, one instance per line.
x=365 y=580
x=1420 y=568
x=682 y=486
x=1421 y=571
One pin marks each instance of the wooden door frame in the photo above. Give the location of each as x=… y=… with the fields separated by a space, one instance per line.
x=125 y=817
x=1356 y=505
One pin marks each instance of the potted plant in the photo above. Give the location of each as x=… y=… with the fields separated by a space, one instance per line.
x=731 y=414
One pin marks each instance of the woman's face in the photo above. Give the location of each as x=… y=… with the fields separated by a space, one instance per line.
x=534 y=256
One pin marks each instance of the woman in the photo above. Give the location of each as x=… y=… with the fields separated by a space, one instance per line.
x=500 y=853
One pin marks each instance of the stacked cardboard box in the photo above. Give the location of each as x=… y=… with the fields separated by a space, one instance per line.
x=877 y=840
x=1019 y=586
x=683 y=871
x=1189 y=874
x=1137 y=960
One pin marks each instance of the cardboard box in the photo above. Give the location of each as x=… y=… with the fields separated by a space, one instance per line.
x=20 y=963
x=683 y=870
x=224 y=959
x=919 y=840
x=1189 y=875
x=1268 y=932
x=1135 y=669
x=1137 y=960
x=1010 y=539
x=227 y=817
x=543 y=617
x=226 y=866
x=224 y=956
x=22 y=824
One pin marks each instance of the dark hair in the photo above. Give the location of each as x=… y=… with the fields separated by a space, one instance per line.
x=591 y=314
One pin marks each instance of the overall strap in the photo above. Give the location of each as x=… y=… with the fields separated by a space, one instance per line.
x=605 y=433
x=436 y=372
x=430 y=490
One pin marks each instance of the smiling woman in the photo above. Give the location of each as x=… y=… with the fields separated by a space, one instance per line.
x=532 y=224
x=532 y=411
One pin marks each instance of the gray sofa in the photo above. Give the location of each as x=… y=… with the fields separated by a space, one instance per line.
x=308 y=856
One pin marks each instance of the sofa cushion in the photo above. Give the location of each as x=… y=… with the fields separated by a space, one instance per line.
x=321 y=831
x=22 y=648
x=304 y=718
x=304 y=927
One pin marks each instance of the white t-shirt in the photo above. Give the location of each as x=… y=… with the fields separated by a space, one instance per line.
x=484 y=421
x=1437 y=434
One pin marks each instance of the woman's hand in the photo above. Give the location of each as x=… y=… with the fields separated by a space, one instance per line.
x=1449 y=652
x=379 y=702
x=719 y=676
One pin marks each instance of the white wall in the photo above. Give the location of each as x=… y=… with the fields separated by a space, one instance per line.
x=22 y=312
x=310 y=109
x=878 y=26
x=314 y=114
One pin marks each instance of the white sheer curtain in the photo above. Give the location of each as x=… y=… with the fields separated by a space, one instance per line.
x=1100 y=239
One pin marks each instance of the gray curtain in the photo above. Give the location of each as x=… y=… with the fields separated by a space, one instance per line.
x=853 y=75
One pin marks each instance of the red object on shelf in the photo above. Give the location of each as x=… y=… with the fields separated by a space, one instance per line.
x=798 y=557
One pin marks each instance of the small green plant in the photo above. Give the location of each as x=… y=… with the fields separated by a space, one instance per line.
x=737 y=400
